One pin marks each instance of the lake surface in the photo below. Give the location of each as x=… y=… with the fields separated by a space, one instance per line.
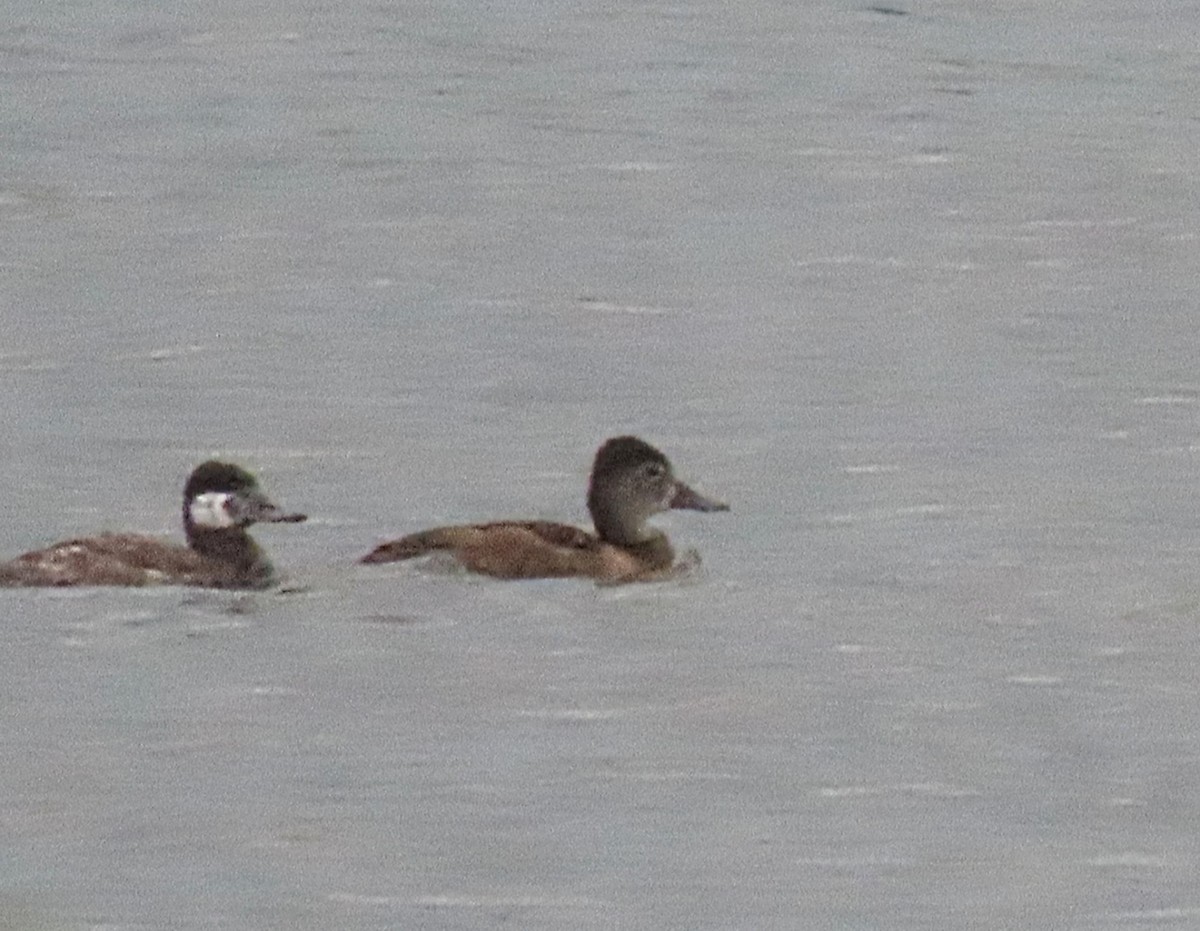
x=913 y=287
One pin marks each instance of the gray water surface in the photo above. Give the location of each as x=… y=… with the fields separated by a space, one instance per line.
x=915 y=293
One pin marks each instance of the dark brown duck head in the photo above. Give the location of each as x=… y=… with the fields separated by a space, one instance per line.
x=220 y=500
x=631 y=482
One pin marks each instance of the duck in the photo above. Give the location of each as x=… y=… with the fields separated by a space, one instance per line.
x=220 y=502
x=630 y=482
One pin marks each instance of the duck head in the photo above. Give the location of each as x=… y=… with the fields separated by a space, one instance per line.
x=221 y=496
x=631 y=482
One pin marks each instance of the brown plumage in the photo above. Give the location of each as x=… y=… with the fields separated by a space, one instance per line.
x=630 y=482
x=220 y=501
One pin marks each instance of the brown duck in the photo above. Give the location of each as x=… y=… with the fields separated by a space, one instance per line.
x=220 y=501
x=631 y=481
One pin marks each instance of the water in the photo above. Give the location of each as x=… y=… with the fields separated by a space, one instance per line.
x=913 y=292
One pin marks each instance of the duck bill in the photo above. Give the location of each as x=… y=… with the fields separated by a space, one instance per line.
x=284 y=517
x=259 y=509
x=688 y=499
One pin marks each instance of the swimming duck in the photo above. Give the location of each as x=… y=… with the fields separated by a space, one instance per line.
x=631 y=481
x=220 y=501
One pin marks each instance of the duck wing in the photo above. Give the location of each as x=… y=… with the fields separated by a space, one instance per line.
x=534 y=549
x=498 y=536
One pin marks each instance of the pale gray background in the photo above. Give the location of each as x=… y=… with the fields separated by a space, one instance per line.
x=916 y=294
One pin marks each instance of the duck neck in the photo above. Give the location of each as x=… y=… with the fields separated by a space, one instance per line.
x=654 y=552
x=613 y=525
x=231 y=546
x=648 y=544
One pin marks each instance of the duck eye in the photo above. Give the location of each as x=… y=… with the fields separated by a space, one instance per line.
x=654 y=470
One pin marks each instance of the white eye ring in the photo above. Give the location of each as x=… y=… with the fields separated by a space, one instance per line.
x=212 y=510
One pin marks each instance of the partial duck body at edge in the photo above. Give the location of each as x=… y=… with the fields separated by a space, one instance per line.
x=131 y=560
x=220 y=501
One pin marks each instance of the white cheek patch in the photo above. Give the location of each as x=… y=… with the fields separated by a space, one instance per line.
x=212 y=510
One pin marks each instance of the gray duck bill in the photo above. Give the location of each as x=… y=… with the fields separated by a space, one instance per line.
x=688 y=499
